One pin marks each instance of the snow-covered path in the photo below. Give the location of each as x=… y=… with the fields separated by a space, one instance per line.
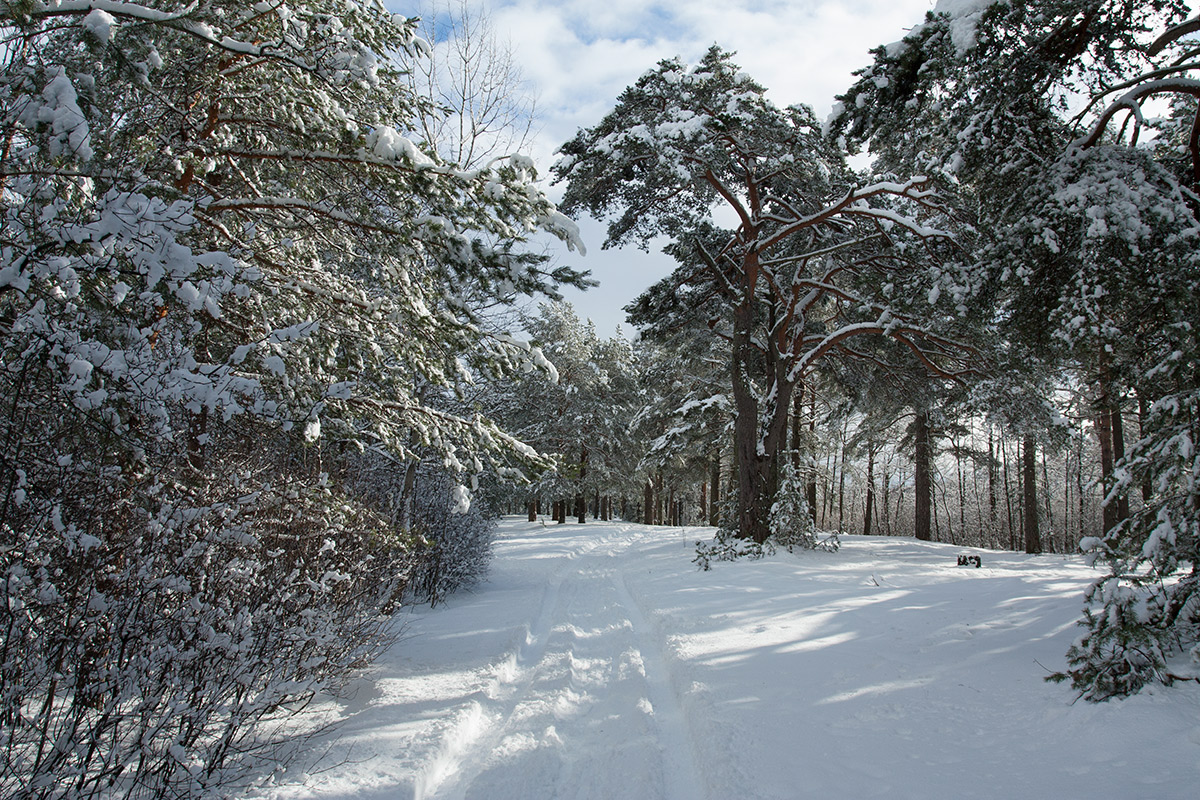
x=598 y=663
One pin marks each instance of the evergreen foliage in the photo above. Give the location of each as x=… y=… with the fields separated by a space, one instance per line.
x=229 y=267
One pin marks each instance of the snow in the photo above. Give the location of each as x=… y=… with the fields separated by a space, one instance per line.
x=68 y=126
x=962 y=19
x=99 y=24
x=598 y=662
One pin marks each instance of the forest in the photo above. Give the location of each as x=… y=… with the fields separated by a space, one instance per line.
x=279 y=341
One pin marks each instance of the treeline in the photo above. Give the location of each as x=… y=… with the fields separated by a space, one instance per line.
x=645 y=450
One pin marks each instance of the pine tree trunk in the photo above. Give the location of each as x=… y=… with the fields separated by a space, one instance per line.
x=1049 y=504
x=1143 y=419
x=658 y=499
x=1118 y=442
x=922 y=482
x=1105 y=404
x=962 y=493
x=580 y=502
x=714 y=510
x=1079 y=487
x=1067 y=501
x=1012 y=536
x=1104 y=433
x=1033 y=539
x=810 y=488
x=870 y=488
x=533 y=510
x=993 y=513
x=648 y=502
x=887 y=508
x=797 y=424
x=407 y=491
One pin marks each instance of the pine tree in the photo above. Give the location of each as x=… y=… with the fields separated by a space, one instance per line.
x=798 y=279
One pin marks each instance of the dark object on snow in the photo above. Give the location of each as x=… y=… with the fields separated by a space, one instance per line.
x=965 y=560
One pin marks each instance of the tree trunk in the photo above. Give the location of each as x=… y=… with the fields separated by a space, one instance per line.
x=922 y=481
x=810 y=488
x=1012 y=539
x=648 y=502
x=659 y=499
x=703 y=499
x=1104 y=433
x=870 y=487
x=580 y=502
x=1033 y=539
x=407 y=491
x=842 y=482
x=533 y=510
x=797 y=424
x=1049 y=504
x=1118 y=442
x=962 y=495
x=1143 y=420
x=714 y=511
x=1112 y=438
x=993 y=514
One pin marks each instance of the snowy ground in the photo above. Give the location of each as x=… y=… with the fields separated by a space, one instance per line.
x=598 y=663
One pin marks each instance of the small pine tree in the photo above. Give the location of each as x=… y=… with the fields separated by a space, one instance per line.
x=791 y=522
x=1147 y=608
x=791 y=527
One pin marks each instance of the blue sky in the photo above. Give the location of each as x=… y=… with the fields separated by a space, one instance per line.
x=578 y=55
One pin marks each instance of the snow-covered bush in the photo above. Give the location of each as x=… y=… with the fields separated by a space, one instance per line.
x=791 y=527
x=143 y=651
x=456 y=538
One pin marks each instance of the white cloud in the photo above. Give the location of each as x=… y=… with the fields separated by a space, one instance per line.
x=578 y=55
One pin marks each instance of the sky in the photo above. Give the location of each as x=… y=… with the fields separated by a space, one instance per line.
x=578 y=55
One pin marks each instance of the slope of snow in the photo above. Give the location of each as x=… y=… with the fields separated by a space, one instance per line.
x=598 y=663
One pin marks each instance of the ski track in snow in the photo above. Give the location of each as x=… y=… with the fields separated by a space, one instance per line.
x=597 y=663
x=581 y=706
